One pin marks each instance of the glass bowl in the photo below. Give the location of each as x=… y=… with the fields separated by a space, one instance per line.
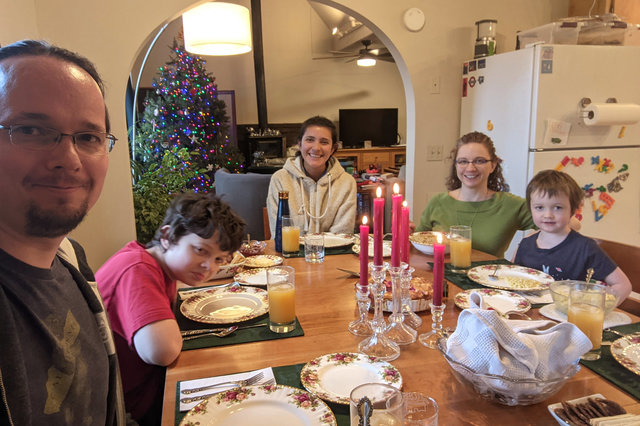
x=560 y=294
x=505 y=390
x=253 y=247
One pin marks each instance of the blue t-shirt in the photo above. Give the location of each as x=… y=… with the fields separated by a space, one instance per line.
x=569 y=260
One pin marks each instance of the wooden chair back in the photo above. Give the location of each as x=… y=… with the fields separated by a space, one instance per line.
x=265 y=224
x=628 y=259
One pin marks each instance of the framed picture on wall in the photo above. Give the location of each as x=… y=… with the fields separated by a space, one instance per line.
x=229 y=98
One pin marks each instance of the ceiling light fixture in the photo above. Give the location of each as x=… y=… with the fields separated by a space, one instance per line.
x=217 y=29
x=366 y=61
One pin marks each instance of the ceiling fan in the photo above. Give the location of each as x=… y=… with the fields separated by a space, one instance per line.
x=364 y=57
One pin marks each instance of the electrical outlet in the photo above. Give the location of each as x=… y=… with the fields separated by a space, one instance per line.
x=434 y=153
x=435 y=85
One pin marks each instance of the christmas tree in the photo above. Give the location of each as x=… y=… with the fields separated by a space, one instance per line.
x=184 y=112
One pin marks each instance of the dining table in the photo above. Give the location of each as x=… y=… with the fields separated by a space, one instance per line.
x=325 y=304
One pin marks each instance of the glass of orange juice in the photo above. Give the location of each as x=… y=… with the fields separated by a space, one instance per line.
x=281 y=289
x=586 y=311
x=460 y=248
x=290 y=237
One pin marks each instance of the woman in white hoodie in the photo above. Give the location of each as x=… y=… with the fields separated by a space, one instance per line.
x=322 y=196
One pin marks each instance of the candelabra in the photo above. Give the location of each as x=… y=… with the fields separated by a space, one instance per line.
x=410 y=317
x=397 y=330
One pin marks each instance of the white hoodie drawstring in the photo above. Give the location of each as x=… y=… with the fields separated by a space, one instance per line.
x=303 y=207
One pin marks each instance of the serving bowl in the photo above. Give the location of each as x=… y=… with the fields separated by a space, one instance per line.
x=252 y=247
x=560 y=294
x=505 y=390
x=230 y=269
x=423 y=241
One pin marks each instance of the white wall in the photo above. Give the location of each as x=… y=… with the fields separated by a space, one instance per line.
x=111 y=33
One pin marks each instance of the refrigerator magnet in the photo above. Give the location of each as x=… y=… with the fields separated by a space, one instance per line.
x=464 y=87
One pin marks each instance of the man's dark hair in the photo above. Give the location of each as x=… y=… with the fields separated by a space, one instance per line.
x=203 y=215
x=43 y=48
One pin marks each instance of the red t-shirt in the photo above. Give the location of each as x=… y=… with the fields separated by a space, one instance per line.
x=136 y=292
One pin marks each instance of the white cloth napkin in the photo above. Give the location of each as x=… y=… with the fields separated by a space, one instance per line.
x=498 y=304
x=518 y=349
x=190 y=384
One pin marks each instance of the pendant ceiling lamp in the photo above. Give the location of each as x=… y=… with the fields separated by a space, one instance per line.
x=217 y=29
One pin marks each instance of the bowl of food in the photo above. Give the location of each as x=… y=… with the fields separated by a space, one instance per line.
x=560 y=294
x=506 y=390
x=230 y=268
x=252 y=247
x=424 y=241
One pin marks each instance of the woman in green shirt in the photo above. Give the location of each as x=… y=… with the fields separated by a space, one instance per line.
x=478 y=196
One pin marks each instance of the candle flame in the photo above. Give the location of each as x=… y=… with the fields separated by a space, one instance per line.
x=404 y=203
x=396 y=188
x=379 y=192
x=364 y=220
x=439 y=237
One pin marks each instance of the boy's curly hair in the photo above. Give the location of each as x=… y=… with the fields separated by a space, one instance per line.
x=203 y=215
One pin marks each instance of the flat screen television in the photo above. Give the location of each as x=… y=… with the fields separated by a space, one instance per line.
x=378 y=125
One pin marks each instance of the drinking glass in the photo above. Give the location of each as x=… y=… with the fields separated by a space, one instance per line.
x=460 y=246
x=314 y=247
x=586 y=311
x=420 y=410
x=281 y=290
x=290 y=237
x=382 y=403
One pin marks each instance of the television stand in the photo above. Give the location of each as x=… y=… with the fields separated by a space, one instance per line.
x=385 y=157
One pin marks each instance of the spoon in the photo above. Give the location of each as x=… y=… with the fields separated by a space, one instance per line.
x=492 y=276
x=589 y=275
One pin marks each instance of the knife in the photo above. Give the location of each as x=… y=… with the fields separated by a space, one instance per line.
x=215 y=330
x=352 y=273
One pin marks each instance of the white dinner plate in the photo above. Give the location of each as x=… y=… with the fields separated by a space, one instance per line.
x=510 y=277
x=263 y=261
x=226 y=305
x=557 y=405
x=626 y=350
x=614 y=318
x=275 y=405
x=332 y=377
x=386 y=248
x=500 y=300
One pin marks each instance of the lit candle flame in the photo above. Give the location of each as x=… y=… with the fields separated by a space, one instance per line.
x=379 y=192
x=439 y=237
x=364 y=220
x=396 y=188
x=404 y=203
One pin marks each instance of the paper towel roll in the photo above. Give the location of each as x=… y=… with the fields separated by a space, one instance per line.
x=611 y=114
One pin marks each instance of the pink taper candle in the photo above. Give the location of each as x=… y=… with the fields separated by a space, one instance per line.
x=438 y=270
x=364 y=252
x=404 y=233
x=396 y=205
x=378 y=226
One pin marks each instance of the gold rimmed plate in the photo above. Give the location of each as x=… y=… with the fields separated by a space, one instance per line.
x=226 y=305
x=510 y=277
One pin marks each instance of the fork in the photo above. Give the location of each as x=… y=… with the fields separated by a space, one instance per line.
x=493 y=276
x=245 y=382
x=208 y=395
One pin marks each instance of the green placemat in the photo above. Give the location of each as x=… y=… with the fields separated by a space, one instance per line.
x=286 y=375
x=328 y=251
x=610 y=369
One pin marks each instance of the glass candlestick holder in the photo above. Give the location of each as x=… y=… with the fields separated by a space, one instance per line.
x=361 y=326
x=410 y=317
x=430 y=339
x=378 y=345
x=397 y=330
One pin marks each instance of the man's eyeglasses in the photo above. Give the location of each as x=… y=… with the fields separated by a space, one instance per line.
x=38 y=138
x=463 y=162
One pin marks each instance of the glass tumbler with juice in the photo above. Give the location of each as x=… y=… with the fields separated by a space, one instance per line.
x=290 y=237
x=281 y=290
x=586 y=311
x=460 y=246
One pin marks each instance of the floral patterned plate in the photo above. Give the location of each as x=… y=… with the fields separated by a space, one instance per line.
x=500 y=300
x=626 y=350
x=510 y=277
x=263 y=261
x=333 y=376
x=252 y=277
x=226 y=305
x=386 y=248
x=261 y=405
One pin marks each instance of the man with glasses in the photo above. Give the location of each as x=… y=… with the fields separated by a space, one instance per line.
x=57 y=362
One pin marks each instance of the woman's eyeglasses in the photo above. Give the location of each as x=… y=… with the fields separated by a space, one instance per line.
x=463 y=162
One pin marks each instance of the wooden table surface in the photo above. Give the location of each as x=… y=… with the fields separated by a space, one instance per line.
x=325 y=304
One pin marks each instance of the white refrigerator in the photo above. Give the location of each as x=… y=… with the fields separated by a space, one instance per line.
x=569 y=107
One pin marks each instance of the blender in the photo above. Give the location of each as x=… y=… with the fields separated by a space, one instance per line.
x=486 y=38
